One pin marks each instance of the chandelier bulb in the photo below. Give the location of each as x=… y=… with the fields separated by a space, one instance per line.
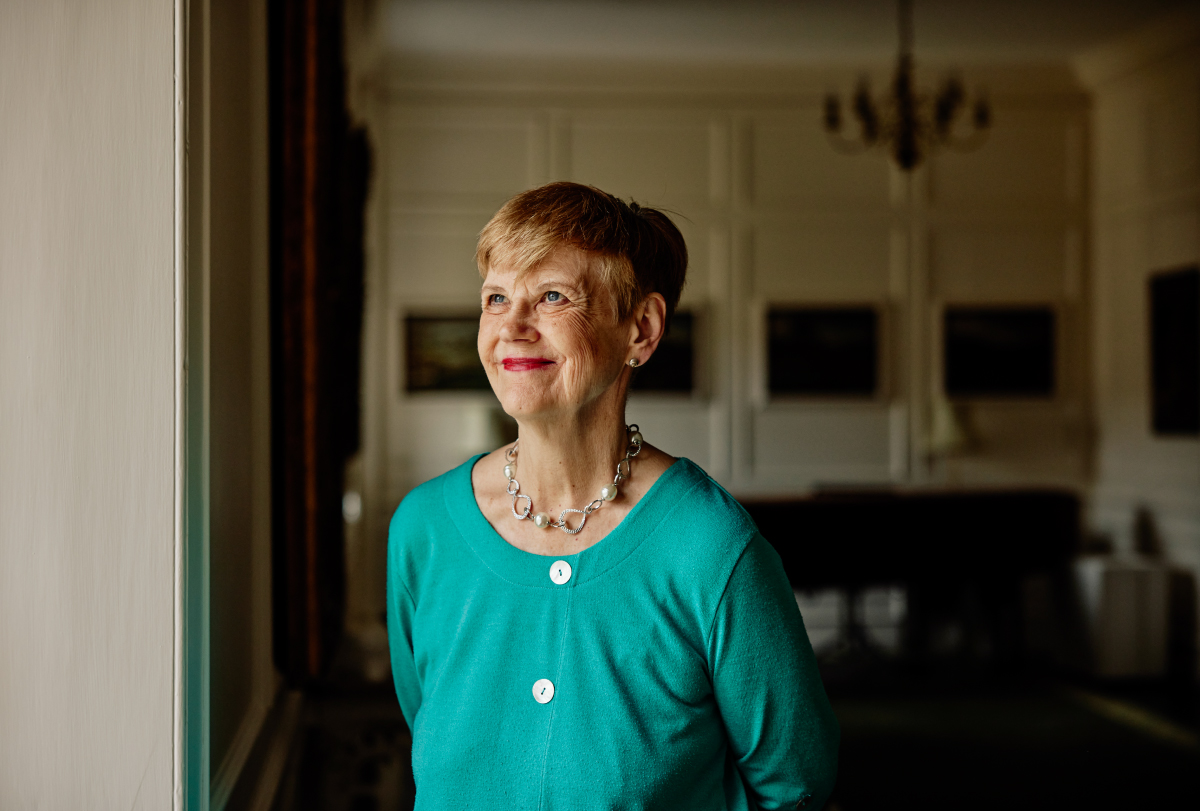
x=864 y=110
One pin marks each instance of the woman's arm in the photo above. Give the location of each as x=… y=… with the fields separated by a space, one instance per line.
x=782 y=730
x=400 y=610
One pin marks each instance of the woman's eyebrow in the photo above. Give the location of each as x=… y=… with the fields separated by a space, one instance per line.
x=558 y=284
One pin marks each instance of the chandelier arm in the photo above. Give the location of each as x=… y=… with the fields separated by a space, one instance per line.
x=906 y=123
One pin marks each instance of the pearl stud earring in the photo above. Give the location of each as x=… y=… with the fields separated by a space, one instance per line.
x=633 y=362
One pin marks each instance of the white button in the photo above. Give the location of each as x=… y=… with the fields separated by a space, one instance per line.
x=543 y=690
x=560 y=571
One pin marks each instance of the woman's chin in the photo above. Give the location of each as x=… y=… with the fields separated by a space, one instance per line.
x=530 y=405
x=524 y=409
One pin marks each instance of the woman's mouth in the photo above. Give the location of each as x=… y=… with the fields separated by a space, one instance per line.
x=525 y=364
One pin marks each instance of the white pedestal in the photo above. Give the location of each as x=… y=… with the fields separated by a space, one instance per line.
x=1125 y=605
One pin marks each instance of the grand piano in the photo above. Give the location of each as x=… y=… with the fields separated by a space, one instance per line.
x=960 y=555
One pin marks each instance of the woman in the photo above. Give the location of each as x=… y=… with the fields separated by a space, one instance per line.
x=580 y=620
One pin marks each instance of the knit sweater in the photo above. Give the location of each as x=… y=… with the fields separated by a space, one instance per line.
x=664 y=667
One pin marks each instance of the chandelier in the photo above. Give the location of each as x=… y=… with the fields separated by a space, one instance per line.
x=906 y=123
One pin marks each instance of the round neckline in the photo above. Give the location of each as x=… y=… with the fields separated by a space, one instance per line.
x=531 y=569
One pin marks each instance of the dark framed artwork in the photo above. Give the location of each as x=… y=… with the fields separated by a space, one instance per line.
x=441 y=354
x=823 y=351
x=999 y=351
x=1175 y=351
x=671 y=370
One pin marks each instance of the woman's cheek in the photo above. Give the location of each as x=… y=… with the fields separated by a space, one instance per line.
x=583 y=343
x=485 y=345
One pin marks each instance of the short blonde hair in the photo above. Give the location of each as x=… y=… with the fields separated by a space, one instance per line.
x=639 y=250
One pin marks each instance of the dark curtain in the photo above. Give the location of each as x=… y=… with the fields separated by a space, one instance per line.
x=319 y=172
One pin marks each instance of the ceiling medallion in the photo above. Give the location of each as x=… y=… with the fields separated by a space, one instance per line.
x=906 y=123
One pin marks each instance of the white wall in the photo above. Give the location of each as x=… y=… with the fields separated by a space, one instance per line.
x=87 y=403
x=771 y=215
x=1146 y=218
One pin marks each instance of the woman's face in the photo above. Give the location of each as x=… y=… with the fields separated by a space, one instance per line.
x=550 y=340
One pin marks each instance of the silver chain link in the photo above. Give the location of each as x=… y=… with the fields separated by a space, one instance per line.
x=514 y=488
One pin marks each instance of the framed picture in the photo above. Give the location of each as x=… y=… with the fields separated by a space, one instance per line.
x=672 y=368
x=999 y=351
x=441 y=355
x=1175 y=351
x=823 y=351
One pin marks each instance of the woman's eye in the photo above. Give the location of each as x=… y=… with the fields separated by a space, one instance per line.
x=554 y=296
x=495 y=298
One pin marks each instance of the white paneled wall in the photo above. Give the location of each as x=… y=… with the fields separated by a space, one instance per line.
x=1146 y=218
x=772 y=215
x=1008 y=225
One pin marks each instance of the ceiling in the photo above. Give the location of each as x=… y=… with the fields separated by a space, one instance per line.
x=759 y=31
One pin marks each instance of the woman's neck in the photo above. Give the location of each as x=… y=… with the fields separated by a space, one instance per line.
x=563 y=463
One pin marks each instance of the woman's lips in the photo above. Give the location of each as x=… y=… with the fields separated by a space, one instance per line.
x=525 y=364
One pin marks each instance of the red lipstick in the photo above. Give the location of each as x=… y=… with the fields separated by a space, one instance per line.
x=525 y=364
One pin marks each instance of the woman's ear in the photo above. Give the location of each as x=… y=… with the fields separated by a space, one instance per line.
x=649 y=326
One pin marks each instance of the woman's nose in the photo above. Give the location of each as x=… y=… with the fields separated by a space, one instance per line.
x=518 y=324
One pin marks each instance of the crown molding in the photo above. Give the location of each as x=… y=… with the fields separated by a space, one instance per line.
x=485 y=79
x=1159 y=38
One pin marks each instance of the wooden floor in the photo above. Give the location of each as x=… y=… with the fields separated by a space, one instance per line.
x=1001 y=747
x=907 y=742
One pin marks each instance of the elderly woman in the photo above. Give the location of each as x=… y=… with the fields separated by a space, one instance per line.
x=579 y=620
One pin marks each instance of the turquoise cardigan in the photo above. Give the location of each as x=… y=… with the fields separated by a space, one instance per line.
x=665 y=667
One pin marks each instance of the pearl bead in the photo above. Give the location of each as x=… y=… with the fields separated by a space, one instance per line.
x=608 y=492
x=635 y=438
x=541 y=520
x=508 y=471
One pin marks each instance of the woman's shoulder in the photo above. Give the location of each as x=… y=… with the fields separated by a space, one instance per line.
x=708 y=502
x=705 y=514
x=696 y=533
x=418 y=526
x=429 y=501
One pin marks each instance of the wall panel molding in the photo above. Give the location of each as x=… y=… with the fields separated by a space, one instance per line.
x=771 y=214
